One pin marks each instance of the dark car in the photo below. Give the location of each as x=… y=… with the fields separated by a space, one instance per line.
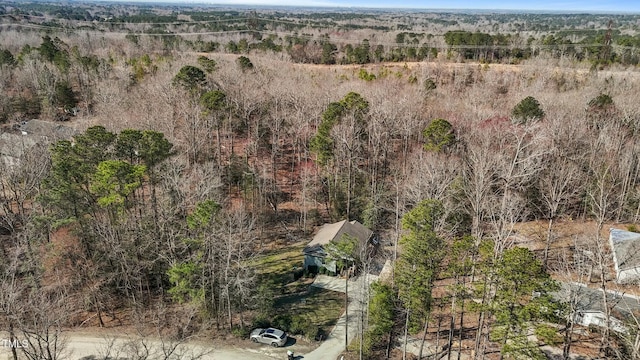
x=271 y=336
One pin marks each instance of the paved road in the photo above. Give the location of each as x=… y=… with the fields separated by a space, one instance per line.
x=83 y=346
x=87 y=346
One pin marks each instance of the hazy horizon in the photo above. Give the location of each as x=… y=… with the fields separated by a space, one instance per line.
x=615 y=6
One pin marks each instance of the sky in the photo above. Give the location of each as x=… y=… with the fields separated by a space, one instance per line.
x=624 y=6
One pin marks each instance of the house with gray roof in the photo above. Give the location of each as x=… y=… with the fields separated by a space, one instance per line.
x=587 y=305
x=625 y=247
x=13 y=145
x=315 y=255
x=47 y=131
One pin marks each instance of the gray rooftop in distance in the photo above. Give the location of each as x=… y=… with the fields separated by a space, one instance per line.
x=52 y=131
x=591 y=300
x=626 y=248
x=14 y=145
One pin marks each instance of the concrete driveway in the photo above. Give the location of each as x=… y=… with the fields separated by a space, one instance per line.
x=334 y=345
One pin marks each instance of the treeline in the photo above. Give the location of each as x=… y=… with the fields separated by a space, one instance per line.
x=475 y=46
x=425 y=37
x=592 y=47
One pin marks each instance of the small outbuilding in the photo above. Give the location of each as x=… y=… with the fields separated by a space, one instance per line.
x=315 y=256
x=625 y=247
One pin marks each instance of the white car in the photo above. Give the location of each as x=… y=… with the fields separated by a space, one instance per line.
x=271 y=336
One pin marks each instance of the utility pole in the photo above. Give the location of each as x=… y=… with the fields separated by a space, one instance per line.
x=337 y=254
x=606 y=49
x=346 y=310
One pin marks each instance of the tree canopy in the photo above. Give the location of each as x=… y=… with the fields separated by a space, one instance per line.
x=190 y=77
x=523 y=300
x=245 y=63
x=529 y=109
x=438 y=135
x=322 y=143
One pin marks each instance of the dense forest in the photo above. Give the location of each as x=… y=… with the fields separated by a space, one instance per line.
x=180 y=147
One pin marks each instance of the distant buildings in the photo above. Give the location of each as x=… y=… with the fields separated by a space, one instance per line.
x=13 y=145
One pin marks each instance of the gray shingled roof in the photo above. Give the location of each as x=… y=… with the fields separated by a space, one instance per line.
x=335 y=231
x=50 y=131
x=590 y=300
x=14 y=145
x=626 y=249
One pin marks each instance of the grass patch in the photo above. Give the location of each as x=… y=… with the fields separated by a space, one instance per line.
x=279 y=261
x=320 y=307
x=275 y=269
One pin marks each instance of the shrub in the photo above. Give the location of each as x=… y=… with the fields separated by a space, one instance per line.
x=312 y=332
x=298 y=325
x=6 y=58
x=207 y=64
x=429 y=84
x=600 y=110
x=245 y=63
x=240 y=332
x=297 y=273
x=261 y=321
x=366 y=76
x=282 y=322
x=601 y=102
